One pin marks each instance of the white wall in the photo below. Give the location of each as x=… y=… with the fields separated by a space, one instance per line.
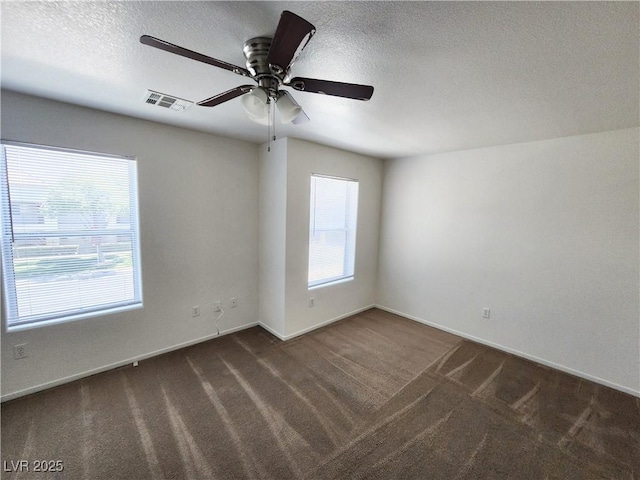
x=336 y=300
x=273 y=230
x=198 y=197
x=284 y=254
x=546 y=234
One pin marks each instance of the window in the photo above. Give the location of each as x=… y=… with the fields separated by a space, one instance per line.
x=70 y=245
x=332 y=229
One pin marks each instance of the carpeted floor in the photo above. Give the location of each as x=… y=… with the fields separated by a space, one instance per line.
x=375 y=396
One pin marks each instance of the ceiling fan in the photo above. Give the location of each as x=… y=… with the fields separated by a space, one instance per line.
x=269 y=62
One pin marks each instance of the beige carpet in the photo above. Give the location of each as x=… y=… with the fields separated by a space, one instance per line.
x=375 y=396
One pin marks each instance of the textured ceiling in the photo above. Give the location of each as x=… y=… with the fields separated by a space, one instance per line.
x=447 y=75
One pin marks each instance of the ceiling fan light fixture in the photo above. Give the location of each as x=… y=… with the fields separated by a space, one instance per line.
x=259 y=120
x=288 y=107
x=255 y=104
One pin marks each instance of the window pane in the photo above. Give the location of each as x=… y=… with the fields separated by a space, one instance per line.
x=71 y=273
x=326 y=255
x=69 y=233
x=332 y=229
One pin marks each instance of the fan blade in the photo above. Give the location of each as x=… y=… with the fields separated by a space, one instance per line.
x=226 y=96
x=175 y=49
x=337 y=89
x=292 y=35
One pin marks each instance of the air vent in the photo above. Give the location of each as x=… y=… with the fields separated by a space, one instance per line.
x=166 y=101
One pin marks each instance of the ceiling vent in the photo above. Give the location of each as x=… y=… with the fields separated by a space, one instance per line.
x=166 y=101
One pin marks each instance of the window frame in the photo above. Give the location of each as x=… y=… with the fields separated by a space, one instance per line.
x=350 y=244
x=8 y=236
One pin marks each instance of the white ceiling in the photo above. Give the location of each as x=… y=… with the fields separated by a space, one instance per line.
x=447 y=75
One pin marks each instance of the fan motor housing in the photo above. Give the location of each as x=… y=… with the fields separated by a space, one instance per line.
x=256 y=51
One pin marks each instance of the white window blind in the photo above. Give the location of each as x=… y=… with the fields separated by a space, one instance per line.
x=70 y=245
x=332 y=229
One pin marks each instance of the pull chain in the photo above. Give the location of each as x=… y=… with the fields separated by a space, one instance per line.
x=268 y=124
x=273 y=120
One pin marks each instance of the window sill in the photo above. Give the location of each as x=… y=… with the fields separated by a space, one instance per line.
x=72 y=318
x=331 y=283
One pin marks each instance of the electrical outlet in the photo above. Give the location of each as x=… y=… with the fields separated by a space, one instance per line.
x=312 y=302
x=195 y=311
x=20 y=351
x=233 y=301
x=486 y=312
x=217 y=306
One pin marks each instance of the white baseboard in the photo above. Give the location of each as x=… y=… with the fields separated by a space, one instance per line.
x=313 y=327
x=517 y=353
x=88 y=373
x=271 y=331
x=71 y=378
